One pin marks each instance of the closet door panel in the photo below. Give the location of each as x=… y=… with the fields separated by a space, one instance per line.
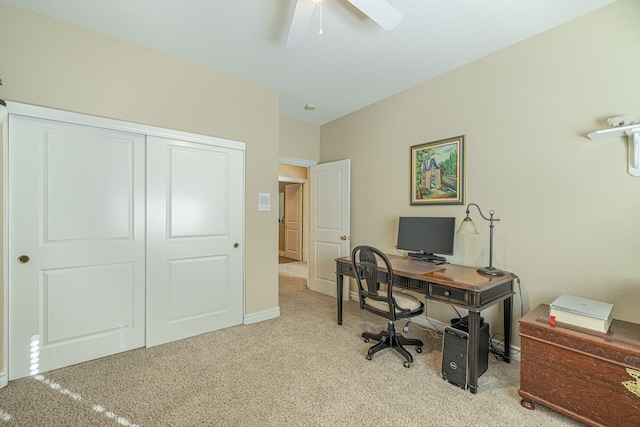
x=194 y=235
x=76 y=243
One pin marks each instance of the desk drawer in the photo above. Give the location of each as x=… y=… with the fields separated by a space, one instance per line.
x=448 y=294
x=345 y=269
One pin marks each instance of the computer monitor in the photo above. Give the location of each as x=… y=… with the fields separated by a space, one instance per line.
x=426 y=236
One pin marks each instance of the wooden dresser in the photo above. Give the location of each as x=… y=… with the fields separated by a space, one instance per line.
x=590 y=376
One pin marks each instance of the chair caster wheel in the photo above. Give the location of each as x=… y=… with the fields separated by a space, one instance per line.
x=419 y=350
x=406 y=364
x=366 y=340
x=368 y=357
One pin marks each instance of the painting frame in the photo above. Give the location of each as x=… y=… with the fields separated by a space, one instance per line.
x=437 y=172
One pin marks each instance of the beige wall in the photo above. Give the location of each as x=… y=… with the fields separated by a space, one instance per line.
x=299 y=140
x=49 y=63
x=568 y=208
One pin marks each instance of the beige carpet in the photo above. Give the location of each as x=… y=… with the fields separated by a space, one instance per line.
x=295 y=269
x=301 y=369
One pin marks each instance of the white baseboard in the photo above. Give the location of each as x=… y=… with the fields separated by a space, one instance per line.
x=436 y=325
x=4 y=379
x=515 y=353
x=262 y=316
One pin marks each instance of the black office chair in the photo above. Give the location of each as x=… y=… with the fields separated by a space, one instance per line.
x=384 y=302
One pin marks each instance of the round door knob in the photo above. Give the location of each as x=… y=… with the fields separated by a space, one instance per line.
x=23 y=259
x=235 y=245
x=343 y=237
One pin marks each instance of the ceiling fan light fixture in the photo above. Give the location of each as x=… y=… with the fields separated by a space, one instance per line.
x=300 y=23
x=380 y=11
x=320 y=30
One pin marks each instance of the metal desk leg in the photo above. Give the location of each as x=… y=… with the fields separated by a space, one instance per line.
x=507 y=312
x=474 y=350
x=339 y=280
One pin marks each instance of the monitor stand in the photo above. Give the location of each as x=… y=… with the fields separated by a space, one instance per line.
x=431 y=258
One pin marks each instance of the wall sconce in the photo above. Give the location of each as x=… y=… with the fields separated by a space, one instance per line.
x=632 y=132
x=468 y=227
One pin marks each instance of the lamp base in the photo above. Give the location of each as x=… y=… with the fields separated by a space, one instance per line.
x=491 y=271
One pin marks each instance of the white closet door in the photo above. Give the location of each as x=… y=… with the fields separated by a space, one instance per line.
x=76 y=210
x=195 y=196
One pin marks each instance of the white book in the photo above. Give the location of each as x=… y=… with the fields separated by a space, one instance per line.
x=582 y=312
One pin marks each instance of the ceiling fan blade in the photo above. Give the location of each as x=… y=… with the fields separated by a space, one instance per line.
x=300 y=23
x=380 y=11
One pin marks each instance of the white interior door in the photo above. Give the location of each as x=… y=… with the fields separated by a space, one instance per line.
x=293 y=221
x=195 y=199
x=330 y=223
x=76 y=243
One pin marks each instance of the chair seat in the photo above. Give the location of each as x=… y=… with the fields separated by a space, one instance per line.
x=403 y=301
x=380 y=298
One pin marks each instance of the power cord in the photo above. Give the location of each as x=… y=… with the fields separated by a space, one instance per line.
x=495 y=349
x=499 y=353
x=435 y=332
x=521 y=299
x=519 y=293
x=456 y=311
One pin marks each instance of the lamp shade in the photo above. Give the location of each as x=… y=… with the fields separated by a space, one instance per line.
x=467 y=227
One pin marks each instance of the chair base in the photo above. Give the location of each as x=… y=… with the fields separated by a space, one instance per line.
x=393 y=339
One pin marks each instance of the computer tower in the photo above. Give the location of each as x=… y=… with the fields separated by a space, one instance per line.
x=455 y=353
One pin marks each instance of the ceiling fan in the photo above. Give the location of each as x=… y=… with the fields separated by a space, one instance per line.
x=380 y=11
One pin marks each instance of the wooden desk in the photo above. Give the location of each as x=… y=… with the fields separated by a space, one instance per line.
x=452 y=284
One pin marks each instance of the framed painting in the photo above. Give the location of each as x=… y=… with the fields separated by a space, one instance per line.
x=437 y=172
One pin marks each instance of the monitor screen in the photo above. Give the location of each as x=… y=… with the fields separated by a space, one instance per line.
x=428 y=235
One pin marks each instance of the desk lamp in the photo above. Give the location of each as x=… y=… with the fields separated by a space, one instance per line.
x=468 y=227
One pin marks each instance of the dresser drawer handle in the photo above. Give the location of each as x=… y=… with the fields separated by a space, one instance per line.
x=447 y=293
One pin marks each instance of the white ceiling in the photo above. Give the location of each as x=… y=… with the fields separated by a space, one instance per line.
x=354 y=63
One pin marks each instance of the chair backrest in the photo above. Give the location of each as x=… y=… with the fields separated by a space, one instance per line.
x=365 y=265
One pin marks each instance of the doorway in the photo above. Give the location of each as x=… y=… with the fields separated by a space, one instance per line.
x=326 y=230
x=293 y=213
